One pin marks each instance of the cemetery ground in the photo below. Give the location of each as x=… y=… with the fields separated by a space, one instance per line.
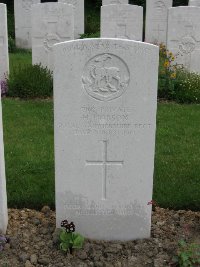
x=29 y=155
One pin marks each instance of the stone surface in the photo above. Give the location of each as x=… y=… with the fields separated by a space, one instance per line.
x=51 y=23
x=183 y=37
x=105 y=119
x=122 y=21
x=3 y=194
x=4 y=61
x=156 y=21
x=194 y=3
x=78 y=15
x=114 y=2
x=23 y=22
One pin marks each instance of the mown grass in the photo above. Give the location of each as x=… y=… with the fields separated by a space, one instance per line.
x=19 y=59
x=177 y=160
x=29 y=154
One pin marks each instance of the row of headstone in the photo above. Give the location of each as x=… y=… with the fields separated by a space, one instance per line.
x=176 y=27
x=3 y=71
x=23 y=27
x=118 y=19
x=105 y=98
x=4 y=59
x=105 y=120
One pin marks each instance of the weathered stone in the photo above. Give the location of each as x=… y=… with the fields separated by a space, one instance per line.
x=23 y=257
x=28 y=264
x=183 y=38
x=4 y=60
x=34 y=259
x=194 y=3
x=105 y=120
x=156 y=21
x=81 y=254
x=3 y=194
x=44 y=260
x=51 y=23
x=56 y=235
x=78 y=15
x=23 y=22
x=122 y=21
x=114 y=2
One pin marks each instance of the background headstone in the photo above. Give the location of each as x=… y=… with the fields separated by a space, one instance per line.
x=23 y=22
x=51 y=23
x=78 y=15
x=4 y=59
x=105 y=98
x=3 y=194
x=114 y=2
x=122 y=21
x=183 y=38
x=156 y=21
x=194 y=3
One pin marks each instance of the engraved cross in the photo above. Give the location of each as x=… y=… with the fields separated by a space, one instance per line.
x=104 y=163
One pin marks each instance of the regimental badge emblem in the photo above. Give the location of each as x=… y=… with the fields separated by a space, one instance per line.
x=187 y=45
x=105 y=77
x=26 y=4
x=160 y=6
x=50 y=40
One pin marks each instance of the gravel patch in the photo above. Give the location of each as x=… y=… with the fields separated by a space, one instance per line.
x=33 y=242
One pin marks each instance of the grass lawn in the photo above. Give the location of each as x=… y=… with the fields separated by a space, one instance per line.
x=20 y=58
x=29 y=154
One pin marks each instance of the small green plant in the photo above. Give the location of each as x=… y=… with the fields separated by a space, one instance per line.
x=167 y=73
x=188 y=255
x=187 y=87
x=69 y=240
x=175 y=82
x=29 y=81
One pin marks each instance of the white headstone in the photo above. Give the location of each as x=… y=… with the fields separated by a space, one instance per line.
x=4 y=60
x=78 y=15
x=194 y=3
x=3 y=195
x=122 y=21
x=105 y=93
x=23 y=22
x=156 y=21
x=114 y=2
x=183 y=38
x=51 y=23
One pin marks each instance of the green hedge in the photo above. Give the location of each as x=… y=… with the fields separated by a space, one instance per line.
x=29 y=81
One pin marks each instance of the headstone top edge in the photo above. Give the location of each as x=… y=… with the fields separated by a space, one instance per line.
x=52 y=4
x=121 y=5
x=183 y=7
x=3 y=5
x=63 y=44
